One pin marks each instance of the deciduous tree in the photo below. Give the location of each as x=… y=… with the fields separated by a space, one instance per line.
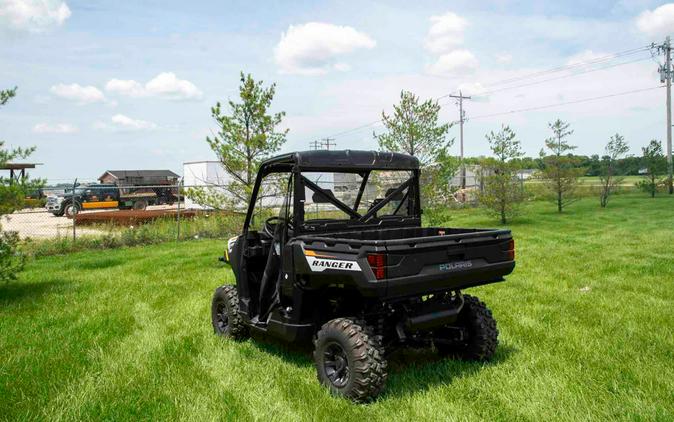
x=414 y=129
x=502 y=193
x=12 y=197
x=655 y=164
x=560 y=172
x=615 y=149
x=247 y=134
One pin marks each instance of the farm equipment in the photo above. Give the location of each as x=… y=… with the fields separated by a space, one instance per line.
x=353 y=270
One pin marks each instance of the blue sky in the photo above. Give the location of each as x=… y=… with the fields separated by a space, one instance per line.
x=129 y=85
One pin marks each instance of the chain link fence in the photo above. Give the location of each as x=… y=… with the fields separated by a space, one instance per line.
x=81 y=215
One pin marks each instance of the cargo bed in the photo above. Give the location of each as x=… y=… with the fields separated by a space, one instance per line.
x=423 y=260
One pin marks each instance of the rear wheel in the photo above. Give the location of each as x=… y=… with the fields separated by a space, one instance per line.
x=71 y=209
x=140 y=205
x=480 y=334
x=350 y=360
x=225 y=314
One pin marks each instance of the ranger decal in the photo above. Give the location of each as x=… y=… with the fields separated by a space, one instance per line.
x=319 y=263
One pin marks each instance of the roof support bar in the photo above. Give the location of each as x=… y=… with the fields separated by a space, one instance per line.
x=386 y=200
x=330 y=198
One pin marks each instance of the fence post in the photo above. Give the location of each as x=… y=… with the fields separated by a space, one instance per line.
x=74 y=210
x=180 y=184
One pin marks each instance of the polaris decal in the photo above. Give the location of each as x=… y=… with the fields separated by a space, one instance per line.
x=322 y=264
x=459 y=265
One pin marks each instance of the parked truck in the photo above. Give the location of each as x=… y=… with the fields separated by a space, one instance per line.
x=110 y=196
x=356 y=273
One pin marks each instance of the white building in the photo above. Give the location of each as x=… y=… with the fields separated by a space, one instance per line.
x=207 y=174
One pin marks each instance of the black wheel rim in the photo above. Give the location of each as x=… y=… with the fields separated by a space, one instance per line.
x=221 y=318
x=336 y=364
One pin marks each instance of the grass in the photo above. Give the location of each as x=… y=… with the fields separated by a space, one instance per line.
x=586 y=322
x=109 y=236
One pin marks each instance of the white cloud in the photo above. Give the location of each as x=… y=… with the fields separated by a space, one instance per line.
x=120 y=122
x=164 y=85
x=131 y=124
x=78 y=93
x=63 y=128
x=168 y=85
x=471 y=88
x=658 y=22
x=444 y=38
x=129 y=88
x=314 y=48
x=33 y=15
x=445 y=33
x=454 y=62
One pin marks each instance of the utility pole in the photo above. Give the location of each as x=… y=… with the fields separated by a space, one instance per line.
x=315 y=145
x=666 y=74
x=327 y=143
x=462 y=118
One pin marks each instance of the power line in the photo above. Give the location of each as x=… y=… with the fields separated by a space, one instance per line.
x=564 y=68
x=537 y=74
x=582 y=100
x=562 y=77
x=572 y=66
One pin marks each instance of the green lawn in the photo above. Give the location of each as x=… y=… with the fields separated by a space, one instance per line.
x=586 y=322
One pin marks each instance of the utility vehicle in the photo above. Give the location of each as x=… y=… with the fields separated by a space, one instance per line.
x=343 y=261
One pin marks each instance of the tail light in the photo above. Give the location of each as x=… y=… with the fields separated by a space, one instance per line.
x=511 y=250
x=377 y=262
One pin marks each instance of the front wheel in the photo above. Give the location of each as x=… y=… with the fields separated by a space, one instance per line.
x=350 y=360
x=480 y=334
x=225 y=314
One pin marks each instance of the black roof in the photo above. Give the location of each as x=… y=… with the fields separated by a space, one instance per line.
x=341 y=160
x=123 y=174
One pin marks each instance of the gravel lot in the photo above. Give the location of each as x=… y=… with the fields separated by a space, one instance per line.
x=40 y=224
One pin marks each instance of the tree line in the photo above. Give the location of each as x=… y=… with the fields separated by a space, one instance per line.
x=248 y=133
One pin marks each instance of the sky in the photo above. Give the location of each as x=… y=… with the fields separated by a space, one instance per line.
x=129 y=85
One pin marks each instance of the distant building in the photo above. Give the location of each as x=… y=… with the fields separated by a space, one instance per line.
x=472 y=176
x=207 y=174
x=525 y=174
x=139 y=177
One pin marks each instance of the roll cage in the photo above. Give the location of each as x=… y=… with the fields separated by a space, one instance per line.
x=348 y=161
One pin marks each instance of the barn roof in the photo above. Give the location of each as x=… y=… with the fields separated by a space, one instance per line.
x=125 y=174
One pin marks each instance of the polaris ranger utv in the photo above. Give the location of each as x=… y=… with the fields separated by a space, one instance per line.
x=350 y=267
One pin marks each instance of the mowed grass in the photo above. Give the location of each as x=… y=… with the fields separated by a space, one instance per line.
x=586 y=322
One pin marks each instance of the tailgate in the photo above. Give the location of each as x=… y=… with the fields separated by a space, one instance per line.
x=448 y=262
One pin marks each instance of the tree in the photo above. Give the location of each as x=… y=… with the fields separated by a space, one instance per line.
x=615 y=149
x=413 y=128
x=502 y=193
x=560 y=172
x=653 y=161
x=12 y=197
x=246 y=137
x=435 y=180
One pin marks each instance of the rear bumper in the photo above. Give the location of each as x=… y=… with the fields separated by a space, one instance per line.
x=424 y=284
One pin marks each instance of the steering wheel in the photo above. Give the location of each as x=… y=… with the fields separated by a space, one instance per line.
x=270 y=225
